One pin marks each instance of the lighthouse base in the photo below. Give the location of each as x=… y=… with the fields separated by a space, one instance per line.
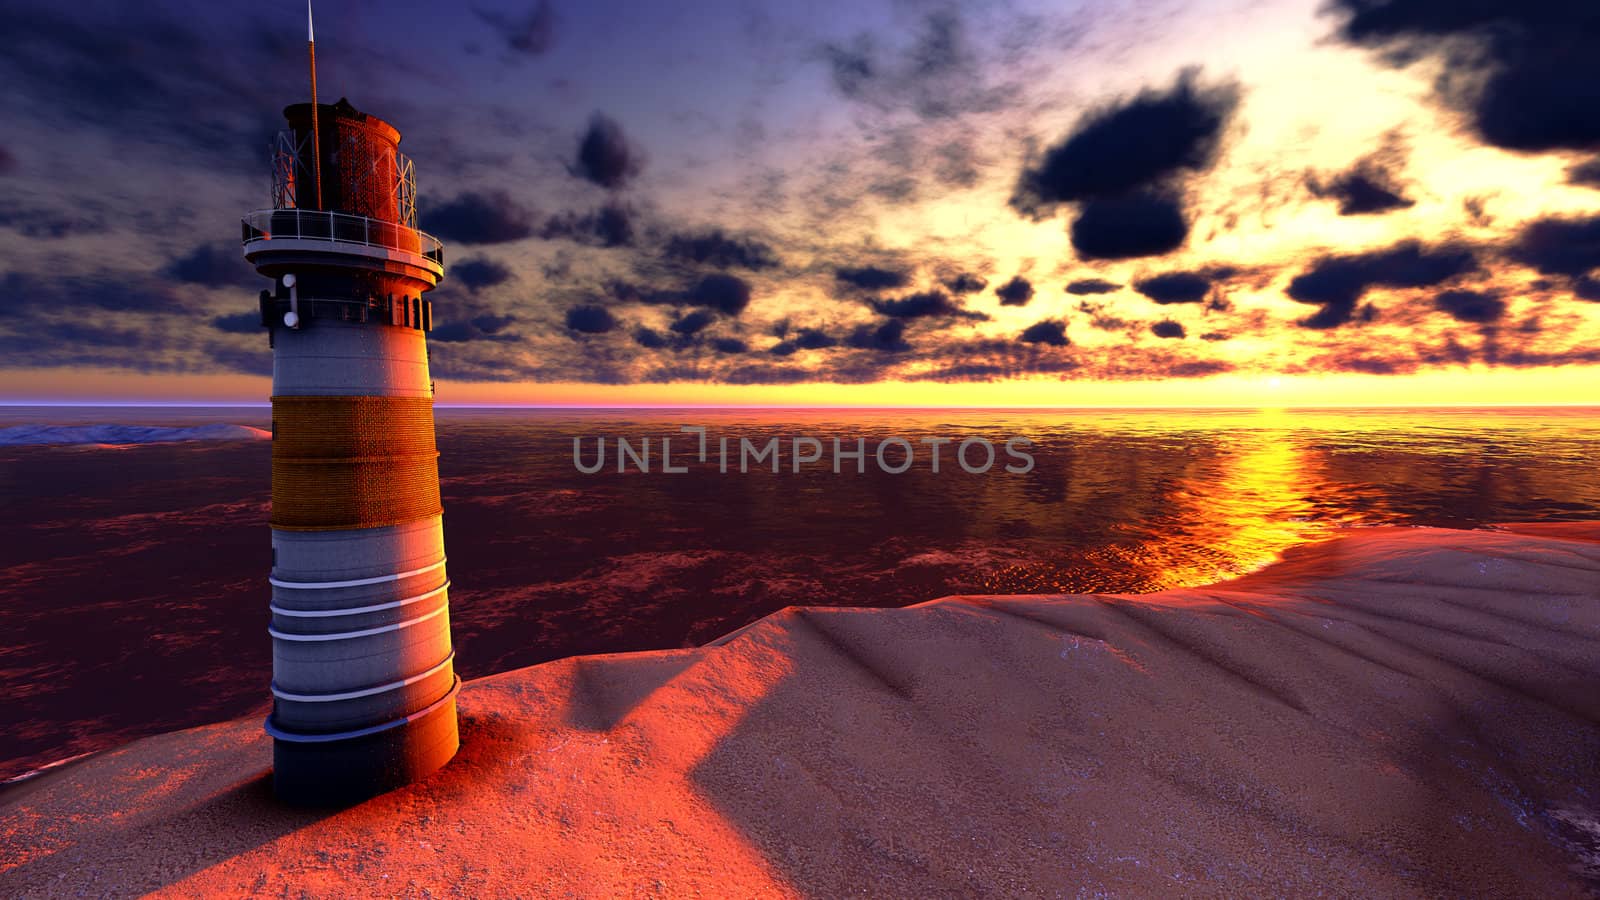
x=342 y=770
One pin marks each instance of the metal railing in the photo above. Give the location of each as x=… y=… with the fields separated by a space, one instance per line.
x=326 y=225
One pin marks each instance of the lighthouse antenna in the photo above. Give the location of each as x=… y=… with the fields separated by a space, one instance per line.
x=316 y=137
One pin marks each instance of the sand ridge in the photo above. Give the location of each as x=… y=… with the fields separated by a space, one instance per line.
x=1396 y=712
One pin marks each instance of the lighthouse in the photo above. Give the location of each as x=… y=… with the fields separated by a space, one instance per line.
x=363 y=682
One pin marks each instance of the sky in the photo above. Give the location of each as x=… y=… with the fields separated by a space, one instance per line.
x=1333 y=202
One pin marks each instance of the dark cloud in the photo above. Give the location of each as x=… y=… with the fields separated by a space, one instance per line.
x=501 y=359
x=64 y=342
x=727 y=294
x=1369 y=187
x=929 y=304
x=1586 y=173
x=956 y=164
x=1129 y=147
x=1016 y=292
x=770 y=374
x=121 y=320
x=530 y=34
x=27 y=294
x=852 y=67
x=1471 y=306
x=966 y=283
x=1124 y=164
x=490 y=323
x=1197 y=368
x=872 y=278
x=254 y=361
x=118 y=68
x=1528 y=74
x=896 y=190
x=1558 y=246
x=474 y=218
x=1099 y=318
x=1216 y=336
x=888 y=337
x=992 y=360
x=939 y=48
x=1477 y=210
x=719 y=291
x=485 y=327
x=1147 y=223
x=239 y=323
x=613 y=225
x=714 y=248
x=1360 y=193
x=458 y=332
x=649 y=337
x=627 y=292
x=478 y=273
x=938 y=77
x=813 y=339
x=605 y=155
x=591 y=319
x=217 y=264
x=1050 y=331
x=1166 y=328
x=1587 y=289
x=805 y=339
x=1175 y=287
x=1339 y=282
x=54 y=224
x=1521 y=358
x=609 y=226
x=694 y=322
x=729 y=345
x=1092 y=286
x=8 y=161
x=1357 y=361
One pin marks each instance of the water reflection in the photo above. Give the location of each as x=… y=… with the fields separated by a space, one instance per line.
x=1118 y=501
x=1217 y=508
x=1259 y=504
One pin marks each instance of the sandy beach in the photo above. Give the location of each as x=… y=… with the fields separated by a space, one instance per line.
x=1396 y=712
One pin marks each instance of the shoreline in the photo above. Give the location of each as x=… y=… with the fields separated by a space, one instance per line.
x=1394 y=710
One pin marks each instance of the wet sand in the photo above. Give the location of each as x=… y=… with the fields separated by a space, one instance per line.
x=1395 y=712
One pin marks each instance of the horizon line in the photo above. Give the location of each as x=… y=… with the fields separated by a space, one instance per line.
x=185 y=404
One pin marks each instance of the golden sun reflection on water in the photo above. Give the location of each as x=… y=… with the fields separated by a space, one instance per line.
x=1267 y=490
x=1244 y=519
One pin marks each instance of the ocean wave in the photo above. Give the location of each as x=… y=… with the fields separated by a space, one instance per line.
x=126 y=434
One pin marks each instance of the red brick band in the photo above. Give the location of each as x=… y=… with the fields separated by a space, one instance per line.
x=352 y=462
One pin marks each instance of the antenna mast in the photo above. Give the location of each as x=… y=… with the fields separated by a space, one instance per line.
x=316 y=136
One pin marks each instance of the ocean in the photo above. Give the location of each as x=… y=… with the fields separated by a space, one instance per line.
x=133 y=596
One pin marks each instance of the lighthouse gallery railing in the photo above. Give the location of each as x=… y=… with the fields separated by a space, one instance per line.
x=326 y=225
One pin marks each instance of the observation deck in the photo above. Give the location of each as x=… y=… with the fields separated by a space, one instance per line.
x=301 y=235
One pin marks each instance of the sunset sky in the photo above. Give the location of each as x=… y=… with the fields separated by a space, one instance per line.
x=885 y=203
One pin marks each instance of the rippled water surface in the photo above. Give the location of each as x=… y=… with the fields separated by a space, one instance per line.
x=132 y=581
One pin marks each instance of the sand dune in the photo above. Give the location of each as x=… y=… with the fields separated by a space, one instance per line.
x=1398 y=712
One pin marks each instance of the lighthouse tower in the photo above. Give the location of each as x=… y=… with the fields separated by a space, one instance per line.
x=363 y=687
